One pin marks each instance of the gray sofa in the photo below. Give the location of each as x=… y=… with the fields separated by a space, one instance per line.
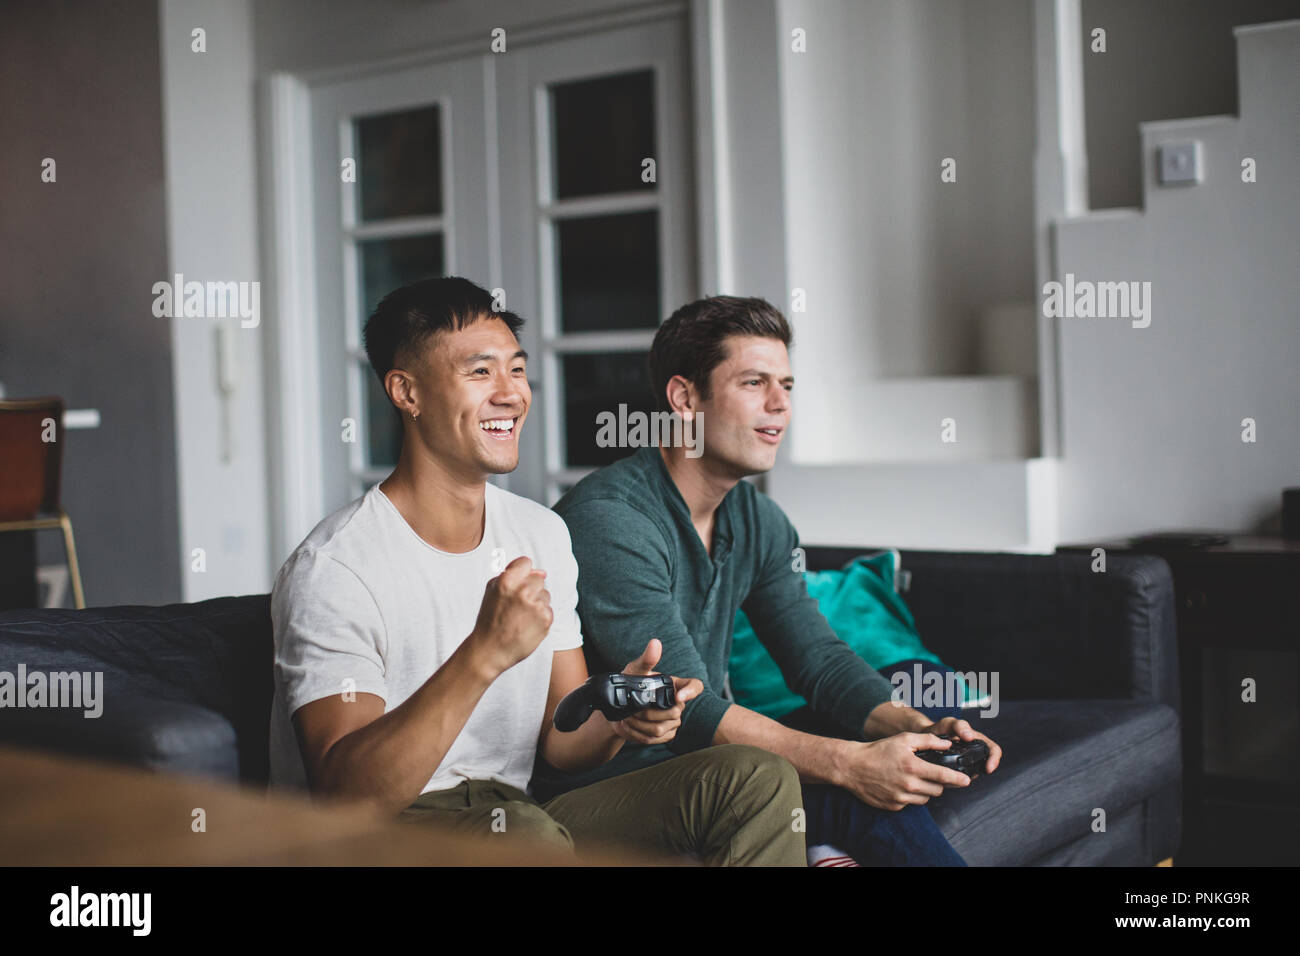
x=1089 y=705
x=1089 y=709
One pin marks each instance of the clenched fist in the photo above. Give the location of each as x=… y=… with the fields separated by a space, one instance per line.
x=515 y=615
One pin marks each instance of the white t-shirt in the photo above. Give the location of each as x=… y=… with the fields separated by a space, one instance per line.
x=365 y=604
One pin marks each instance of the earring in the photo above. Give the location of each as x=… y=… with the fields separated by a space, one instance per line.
x=414 y=415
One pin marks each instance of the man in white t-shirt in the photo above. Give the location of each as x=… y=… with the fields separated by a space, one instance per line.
x=425 y=633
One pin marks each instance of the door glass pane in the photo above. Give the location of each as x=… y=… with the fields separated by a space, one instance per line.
x=608 y=272
x=383 y=423
x=400 y=164
x=604 y=129
x=387 y=264
x=600 y=382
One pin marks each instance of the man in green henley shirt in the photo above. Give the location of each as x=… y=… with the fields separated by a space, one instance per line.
x=670 y=541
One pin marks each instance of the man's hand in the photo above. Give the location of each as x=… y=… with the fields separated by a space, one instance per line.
x=889 y=775
x=962 y=728
x=652 y=725
x=514 y=617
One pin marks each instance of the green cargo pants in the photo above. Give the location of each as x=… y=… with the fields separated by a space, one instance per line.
x=730 y=805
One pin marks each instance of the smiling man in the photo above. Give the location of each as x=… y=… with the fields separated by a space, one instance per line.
x=671 y=545
x=425 y=633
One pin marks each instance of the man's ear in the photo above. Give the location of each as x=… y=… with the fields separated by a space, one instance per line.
x=681 y=397
x=400 y=387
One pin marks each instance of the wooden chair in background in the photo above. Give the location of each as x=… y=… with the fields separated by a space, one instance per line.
x=31 y=463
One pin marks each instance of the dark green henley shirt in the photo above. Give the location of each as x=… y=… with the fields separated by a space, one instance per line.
x=643 y=573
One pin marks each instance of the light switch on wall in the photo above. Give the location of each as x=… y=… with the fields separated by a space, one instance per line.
x=1179 y=163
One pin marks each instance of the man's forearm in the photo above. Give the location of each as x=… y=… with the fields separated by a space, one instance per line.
x=818 y=759
x=590 y=746
x=890 y=718
x=389 y=760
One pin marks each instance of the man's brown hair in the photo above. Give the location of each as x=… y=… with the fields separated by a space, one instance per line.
x=690 y=343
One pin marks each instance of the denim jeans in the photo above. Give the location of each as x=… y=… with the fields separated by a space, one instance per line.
x=871 y=836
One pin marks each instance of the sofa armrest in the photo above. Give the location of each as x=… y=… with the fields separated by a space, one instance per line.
x=1047 y=623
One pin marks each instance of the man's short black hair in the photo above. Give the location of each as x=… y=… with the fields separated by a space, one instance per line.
x=405 y=318
x=690 y=343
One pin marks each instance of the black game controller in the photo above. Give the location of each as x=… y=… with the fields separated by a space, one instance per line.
x=614 y=695
x=964 y=756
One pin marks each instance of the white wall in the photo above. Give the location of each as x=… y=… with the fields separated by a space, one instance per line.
x=898 y=266
x=306 y=35
x=212 y=223
x=1151 y=418
x=1164 y=59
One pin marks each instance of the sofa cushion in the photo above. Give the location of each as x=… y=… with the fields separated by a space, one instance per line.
x=1061 y=760
x=158 y=734
x=1124 y=844
x=185 y=686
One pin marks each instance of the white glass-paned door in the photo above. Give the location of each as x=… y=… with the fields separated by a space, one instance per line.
x=597 y=236
x=400 y=183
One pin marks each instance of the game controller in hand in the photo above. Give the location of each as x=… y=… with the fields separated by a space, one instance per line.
x=614 y=695
x=964 y=756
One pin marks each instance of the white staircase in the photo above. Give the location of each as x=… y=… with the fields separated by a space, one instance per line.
x=1152 y=419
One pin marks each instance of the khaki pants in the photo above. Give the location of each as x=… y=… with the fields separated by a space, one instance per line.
x=730 y=805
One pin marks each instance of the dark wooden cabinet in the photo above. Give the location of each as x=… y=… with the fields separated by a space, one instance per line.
x=1238 y=628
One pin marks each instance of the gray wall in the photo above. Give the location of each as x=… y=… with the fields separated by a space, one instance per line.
x=79 y=82
x=1164 y=59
